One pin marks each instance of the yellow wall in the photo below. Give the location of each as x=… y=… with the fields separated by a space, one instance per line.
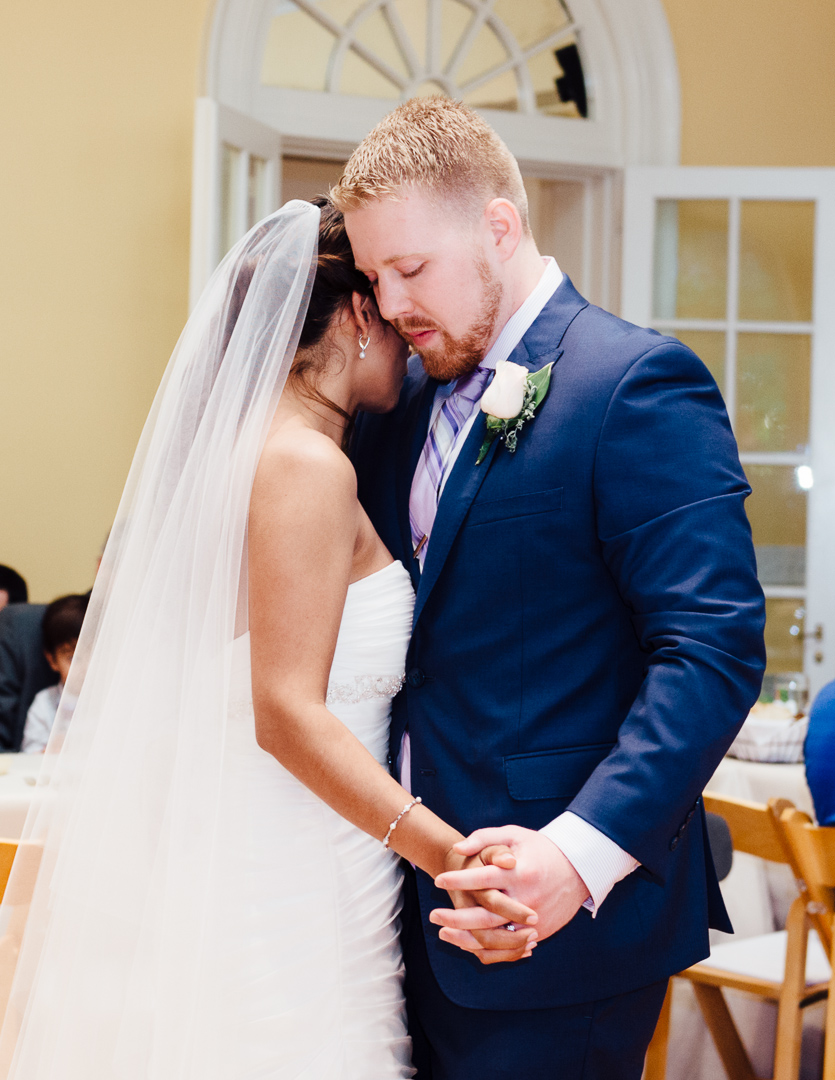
x=757 y=80
x=96 y=101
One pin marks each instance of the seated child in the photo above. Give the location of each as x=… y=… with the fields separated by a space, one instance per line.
x=61 y=626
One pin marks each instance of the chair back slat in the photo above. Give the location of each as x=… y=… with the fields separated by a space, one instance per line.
x=8 y=850
x=812 y=855
x=751 y=825
x=816 y=850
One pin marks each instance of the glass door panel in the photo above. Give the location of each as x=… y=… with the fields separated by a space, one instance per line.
x=691 y=259
x=784 y=630
x=732 y=279
x=776 y=247
x=729 y=262
x=773 y=392
x=777 y=510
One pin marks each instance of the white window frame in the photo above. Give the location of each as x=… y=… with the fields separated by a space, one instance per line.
x=629 y=64
x=214 y=125
x=643 y=188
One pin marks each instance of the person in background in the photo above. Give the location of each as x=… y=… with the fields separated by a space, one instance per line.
x=23 y=669
x=819 y=754
x=12 y=587
x=61 y=626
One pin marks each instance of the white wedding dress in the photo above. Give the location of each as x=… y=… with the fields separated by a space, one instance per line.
x=309 y=959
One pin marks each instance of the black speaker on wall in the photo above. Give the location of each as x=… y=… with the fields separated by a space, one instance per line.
x=571 y=86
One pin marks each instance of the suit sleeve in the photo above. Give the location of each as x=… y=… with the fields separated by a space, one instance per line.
x=11 y=683
x=670 y=493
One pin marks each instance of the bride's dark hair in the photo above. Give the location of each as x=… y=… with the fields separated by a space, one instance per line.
x=337 y=279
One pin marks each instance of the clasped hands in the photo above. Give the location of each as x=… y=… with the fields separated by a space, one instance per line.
x=503 y=876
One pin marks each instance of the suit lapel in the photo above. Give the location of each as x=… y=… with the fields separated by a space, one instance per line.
x=415 y=428
x=540 y=346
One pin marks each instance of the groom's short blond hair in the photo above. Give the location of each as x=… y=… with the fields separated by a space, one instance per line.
x=439 y=146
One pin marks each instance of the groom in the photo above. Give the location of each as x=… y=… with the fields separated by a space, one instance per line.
x=588 y=626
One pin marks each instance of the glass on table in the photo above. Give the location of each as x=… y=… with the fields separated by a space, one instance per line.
x=792 y=688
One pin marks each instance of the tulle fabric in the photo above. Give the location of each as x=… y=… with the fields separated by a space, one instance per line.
x=133 y=872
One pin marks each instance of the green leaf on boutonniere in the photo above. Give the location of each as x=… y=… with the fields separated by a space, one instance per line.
x=537 y=385
x=541 y=380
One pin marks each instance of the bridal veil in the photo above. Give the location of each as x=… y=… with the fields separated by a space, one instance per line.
x=110 y=978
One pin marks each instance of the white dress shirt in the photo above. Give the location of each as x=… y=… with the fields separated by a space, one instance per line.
x=599 y=861
x=39 y=719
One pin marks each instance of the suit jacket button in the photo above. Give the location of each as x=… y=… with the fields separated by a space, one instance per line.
x=416 y=677
x=674 y=843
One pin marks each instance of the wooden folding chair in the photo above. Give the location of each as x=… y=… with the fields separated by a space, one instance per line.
x=777 y=967
x=811 y=852
x=8 y=850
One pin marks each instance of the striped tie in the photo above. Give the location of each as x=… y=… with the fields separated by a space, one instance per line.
x=429 y=475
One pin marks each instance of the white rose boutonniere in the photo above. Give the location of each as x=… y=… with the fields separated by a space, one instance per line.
x=509 y=401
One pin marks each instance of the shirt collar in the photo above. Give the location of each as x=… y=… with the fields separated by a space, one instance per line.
x=525 y=316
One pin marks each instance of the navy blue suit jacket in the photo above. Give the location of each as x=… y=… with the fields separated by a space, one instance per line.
x=588 y=635
x=23 y=669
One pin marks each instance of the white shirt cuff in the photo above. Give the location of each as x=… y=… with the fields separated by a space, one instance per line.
x=599 y=861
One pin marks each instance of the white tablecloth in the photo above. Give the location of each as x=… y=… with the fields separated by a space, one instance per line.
x=18 y=776
x=758 y=895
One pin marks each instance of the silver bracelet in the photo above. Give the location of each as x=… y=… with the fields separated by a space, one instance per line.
x=403 y=812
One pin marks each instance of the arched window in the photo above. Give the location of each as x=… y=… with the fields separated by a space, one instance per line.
x=578 y=89
x=323 y=72
x=492 y=54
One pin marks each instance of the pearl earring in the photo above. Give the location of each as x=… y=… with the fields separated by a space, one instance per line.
x=364 y=345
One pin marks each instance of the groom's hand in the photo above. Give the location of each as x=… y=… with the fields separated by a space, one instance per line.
x=542 y=879
x=491 y=910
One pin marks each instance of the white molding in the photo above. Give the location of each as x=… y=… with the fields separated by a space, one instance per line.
x=820 y=608
x=215 y=124
x=205 y=198
x=629 y=63
x=744 y=182
x=648 y=78
x=784 y=592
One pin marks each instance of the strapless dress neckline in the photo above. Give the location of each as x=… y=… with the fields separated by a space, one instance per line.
x=377 y=573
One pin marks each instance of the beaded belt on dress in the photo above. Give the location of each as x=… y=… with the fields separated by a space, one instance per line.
x=364 y=688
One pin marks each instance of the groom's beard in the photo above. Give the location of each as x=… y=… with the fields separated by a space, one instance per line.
x=454 y=357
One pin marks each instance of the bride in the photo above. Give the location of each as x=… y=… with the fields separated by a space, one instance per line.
x=216 y=830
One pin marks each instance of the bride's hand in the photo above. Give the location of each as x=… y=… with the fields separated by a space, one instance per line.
x=490 y=913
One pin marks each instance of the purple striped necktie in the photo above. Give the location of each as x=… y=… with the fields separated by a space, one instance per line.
x=434 y=460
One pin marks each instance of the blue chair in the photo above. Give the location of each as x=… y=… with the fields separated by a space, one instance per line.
x=819 y=752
